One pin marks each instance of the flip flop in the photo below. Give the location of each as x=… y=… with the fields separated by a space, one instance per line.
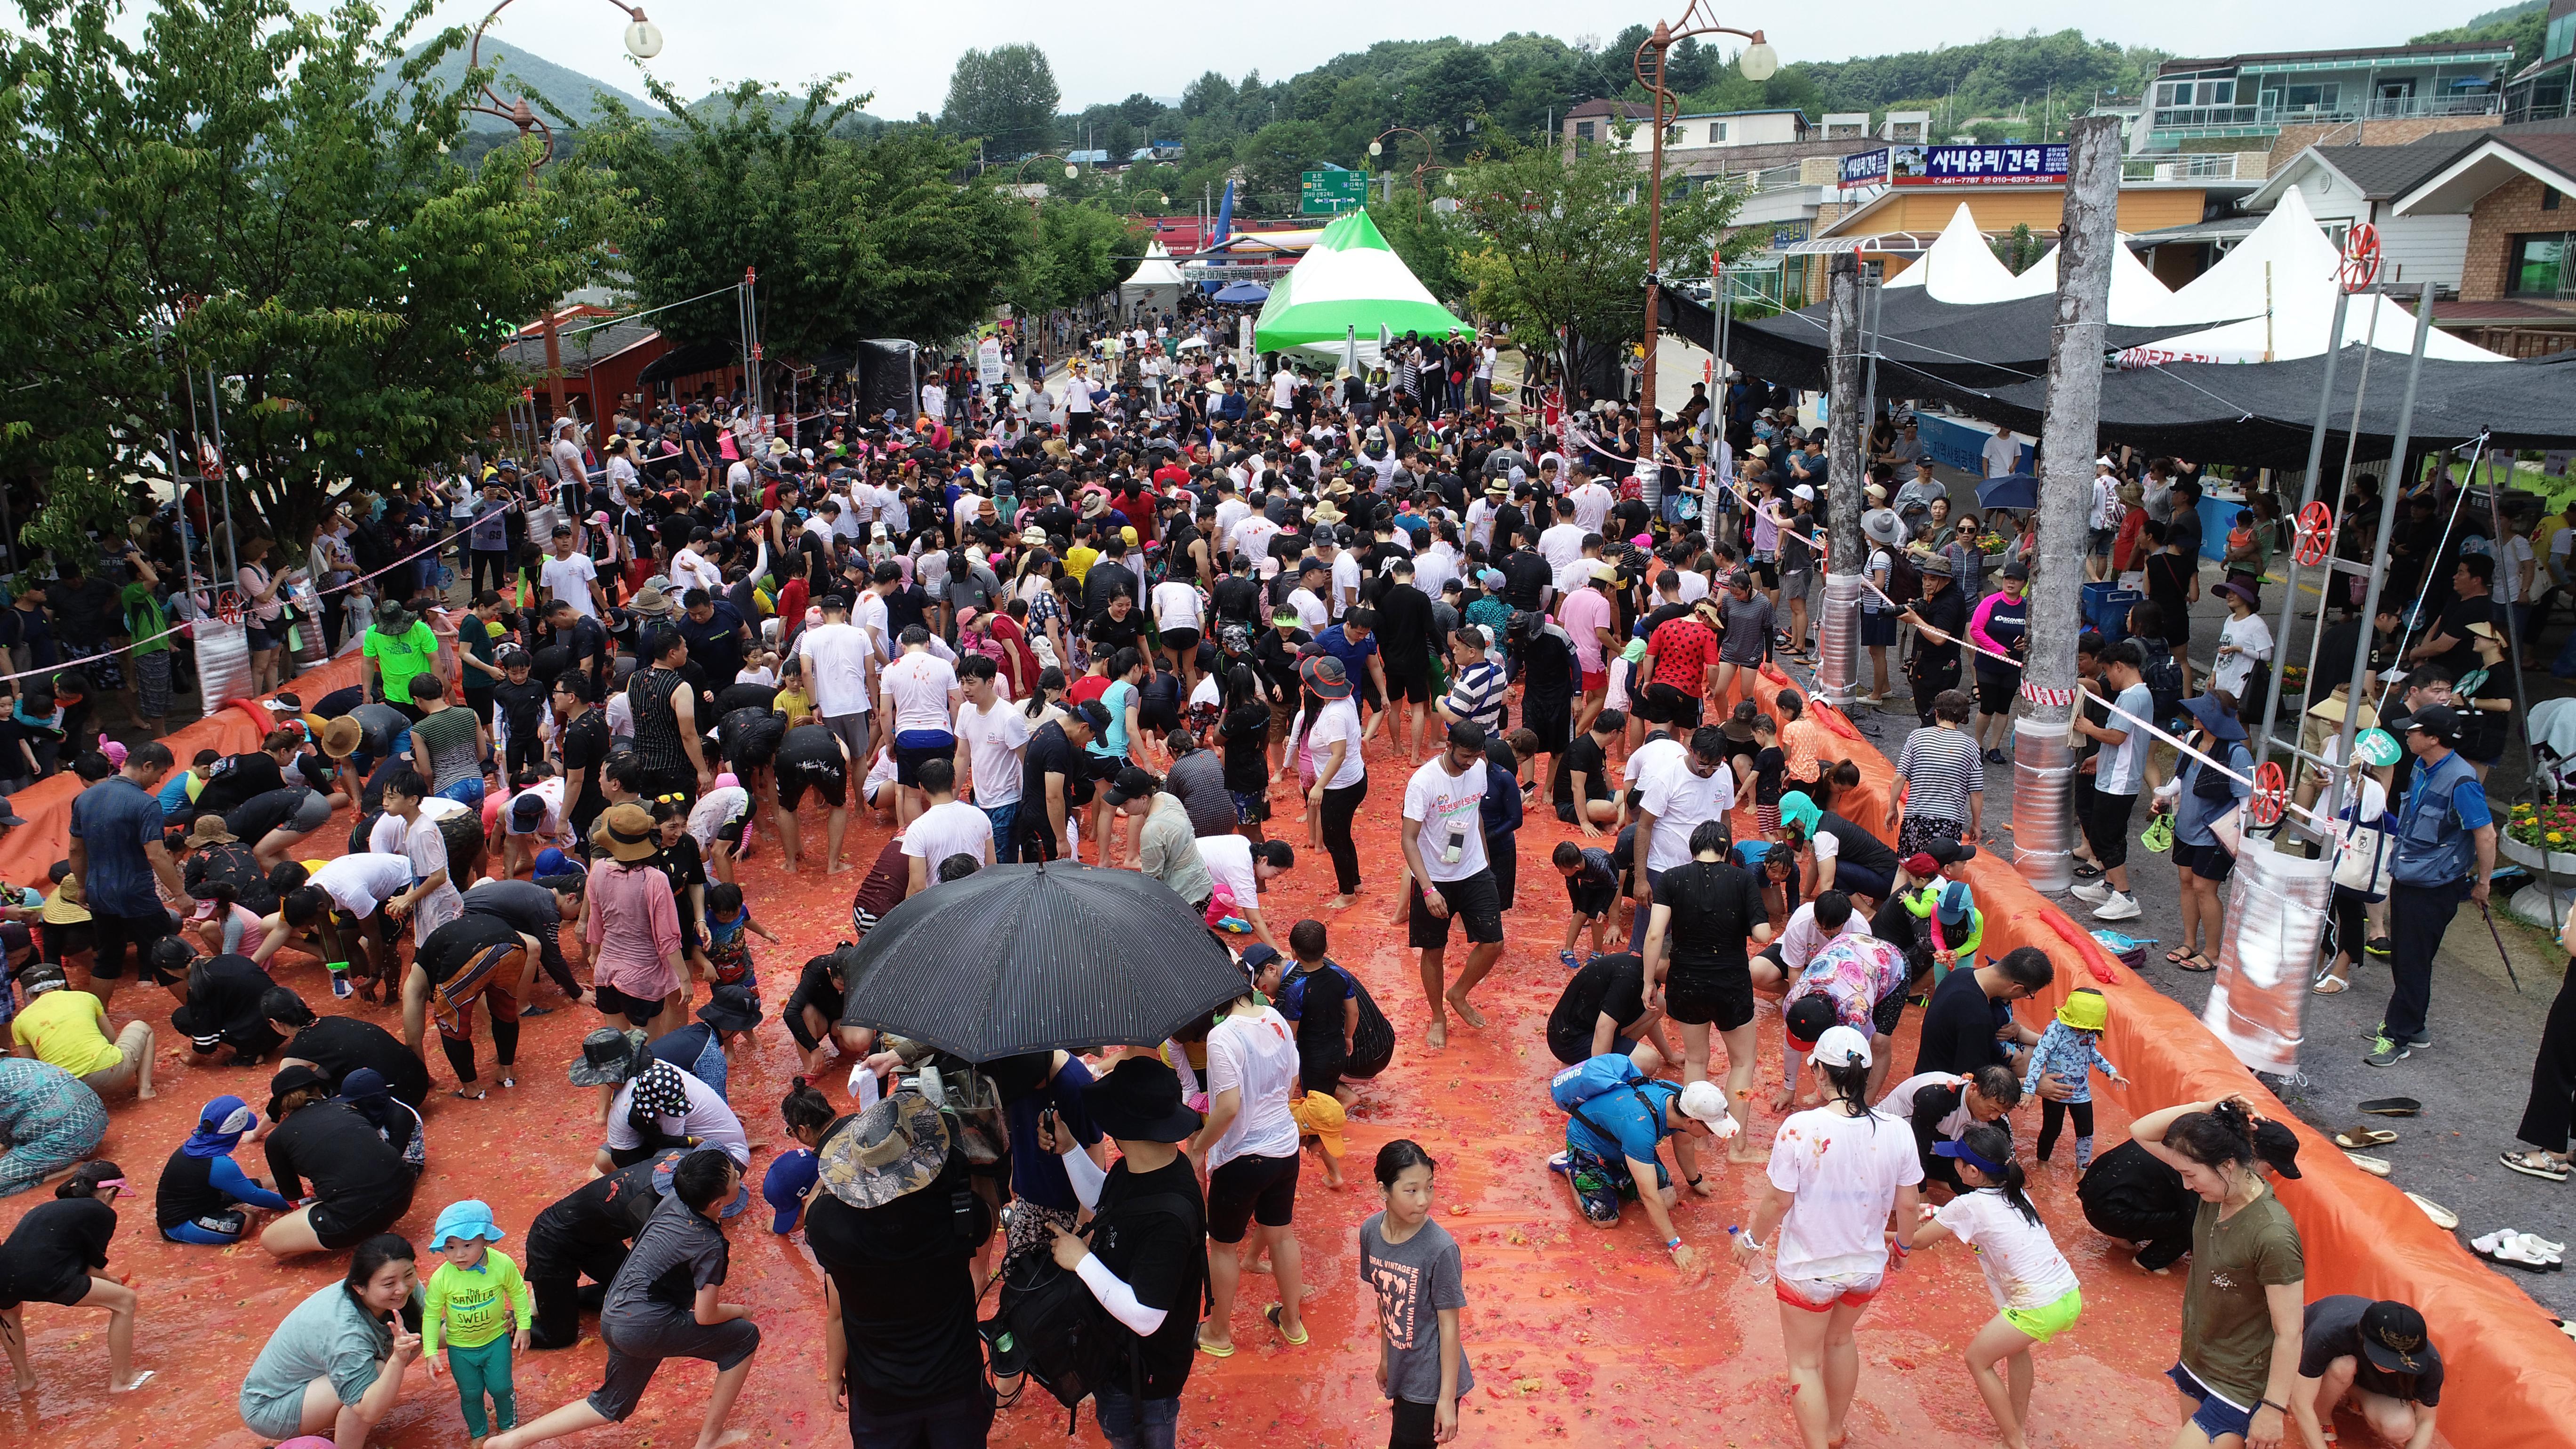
x=2375 y=1166
x=2327 y=985
x=140 y=1380
x=2204 y=968
x=2391 y=1107
x=2442 y=1217
x=2534 y=1164
x=2083 y=871
x=2175 y=958
x=1211 y=1350
x=2364 y=1137
x=1273 y=1313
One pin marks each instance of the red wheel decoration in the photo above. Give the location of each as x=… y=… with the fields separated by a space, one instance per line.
x=2271 y=795
x=2316 y=533
x=2360 y=257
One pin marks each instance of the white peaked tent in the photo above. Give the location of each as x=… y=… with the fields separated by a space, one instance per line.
x=2138 y=299
x=1157 y=281
x=1960 y=267
x=2281 y=280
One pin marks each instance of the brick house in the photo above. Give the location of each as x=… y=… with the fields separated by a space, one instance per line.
x=2518 y=272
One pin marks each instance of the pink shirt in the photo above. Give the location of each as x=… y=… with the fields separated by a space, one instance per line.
x=634 y=930
x=1585 y=610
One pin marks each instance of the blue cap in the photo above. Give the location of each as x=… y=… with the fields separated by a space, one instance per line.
x=791 y=1176
x=1258 y=955
x=469 y=1219
x=551 y=861
x=1958 y=903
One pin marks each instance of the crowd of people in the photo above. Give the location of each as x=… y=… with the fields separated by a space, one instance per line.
x=1128 y=616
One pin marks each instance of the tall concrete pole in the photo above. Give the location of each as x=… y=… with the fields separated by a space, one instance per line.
x=2043 y=762
x=1846 y=469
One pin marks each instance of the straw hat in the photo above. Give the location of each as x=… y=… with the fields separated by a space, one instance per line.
x=340 y=736
x=209 y=830
x=627 y=831
x=649 y=602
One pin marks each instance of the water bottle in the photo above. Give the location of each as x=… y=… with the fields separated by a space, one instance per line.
x=1759 y=1270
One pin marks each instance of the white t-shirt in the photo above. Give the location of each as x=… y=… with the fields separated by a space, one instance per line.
x=1339 y=720
x=689 y=570
x=1176 y=605
x=2253 y=639
x=1591 y=506
x=1561 y=544
x=715 y=810
x=1310 y=610
x=2121 y=769
x=1229 y=860
x=2024 y=1269
x=1255 y=1056
x=868 y=612
x=919 y=686
x=391 y=836
x=836 y=667
x=2562 y=544
x=1679 y=801
x=2001 y=452
x=1844 y=1173
x=881 y=773
x=1252 y=536
x=941 y=831
x=569 y=579
x=709 y=1119
x=1646 y=758
x=1449 y=808
x=1694 y=585
x=360 y=883
x=550 y=792
x=1346 y=582
x=993 y=739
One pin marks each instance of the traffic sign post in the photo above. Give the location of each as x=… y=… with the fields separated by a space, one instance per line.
x=1330 y=193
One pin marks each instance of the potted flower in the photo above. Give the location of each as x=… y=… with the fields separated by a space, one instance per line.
x=2538 y=838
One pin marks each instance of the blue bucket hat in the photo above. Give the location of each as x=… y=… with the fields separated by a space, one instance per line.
x=1958 y=903
x=2213 y=717
x=469 y=1219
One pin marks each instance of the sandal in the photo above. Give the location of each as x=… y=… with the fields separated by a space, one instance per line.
x=2391 y=1107
x=2084 y=870
x=2442 y=1217
x=2364 y=1137
x=2204 y=968
x=2175 y=957
x=2375 y=1166
x=1211 y=1350
x=1273 y=1313
x=477 y=1095
x=2331 y=985
x=2536 y=1164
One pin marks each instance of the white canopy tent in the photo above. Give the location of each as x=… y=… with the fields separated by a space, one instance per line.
x=1156 y=283
x=1960 y=266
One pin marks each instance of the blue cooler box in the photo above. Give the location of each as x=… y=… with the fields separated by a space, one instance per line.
x=2106 y=609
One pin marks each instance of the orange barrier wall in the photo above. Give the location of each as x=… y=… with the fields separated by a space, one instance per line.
x=2510 y=1374
x=30 y=850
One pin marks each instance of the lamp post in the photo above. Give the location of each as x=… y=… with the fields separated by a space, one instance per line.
x=643 y=41
x=1430 y=148
x=1759 y=62
x=1071 y=171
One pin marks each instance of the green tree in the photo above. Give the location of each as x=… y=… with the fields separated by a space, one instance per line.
x=1274 y=157
x=236 y=191
x=850 y=238
x=1553 y=241
x=1083 y=249
x=1006 y=97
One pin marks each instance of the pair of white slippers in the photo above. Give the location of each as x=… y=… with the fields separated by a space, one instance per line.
x=2528 y=1251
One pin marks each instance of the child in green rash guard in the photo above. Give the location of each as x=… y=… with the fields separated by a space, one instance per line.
x=475 y=1299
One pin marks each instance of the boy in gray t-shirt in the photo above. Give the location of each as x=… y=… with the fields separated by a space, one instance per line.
x=1415 y=1280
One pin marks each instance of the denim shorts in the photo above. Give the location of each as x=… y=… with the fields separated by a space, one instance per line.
x=2215 y=1416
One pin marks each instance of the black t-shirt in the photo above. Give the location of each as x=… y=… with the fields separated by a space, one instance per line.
x=339 y=1150
x=1959 y=1028
x=520 y=706
x=810 y=752
x=1770 y=770
x=716 y=645
x=339 y=1045
x=2130 y=1181
x=1524 y=574
x=1322 y=993
x=907 y=1297
x=1404 y=629
x=1102 y=581
x=685 y=867
x=683 y=1047
x=451 y=946
x=1238 y=598
x=256 y=817
x=54 y=1249
x=585 y=743
x=1158 y=1255
x=1857 y=846
x=1048 y=753
x=1109 y=635
x=1714 y=905
x=1584 y=754
x=750 y=736
x=745 y=696
x=2456 y=619
x=1613 y=986
x=237 y=780
x=2333 y=1331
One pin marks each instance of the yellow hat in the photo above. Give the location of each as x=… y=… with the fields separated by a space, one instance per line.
x=1319 y=1115
x=2085 y=1010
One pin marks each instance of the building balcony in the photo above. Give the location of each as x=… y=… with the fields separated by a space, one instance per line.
x=2197 y=166
x=2223 y=120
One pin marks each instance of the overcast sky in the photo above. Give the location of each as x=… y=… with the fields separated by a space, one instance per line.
x=903 y=53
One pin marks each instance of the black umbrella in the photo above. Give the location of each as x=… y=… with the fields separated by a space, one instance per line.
x=1027 y=958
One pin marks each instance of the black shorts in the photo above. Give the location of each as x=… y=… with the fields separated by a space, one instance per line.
x=908 y=760
x=1766 y=572
x=1884 y=1016
x=1251 y=1190
x=1877 y=630
x=1718 y=995
x=342 y=1224
x=794 y=779
x=1181 y=641
x=1411 y=686
x=2106 y=827
x=1995 y=693
x=1478 y=900
x=112 y=934
x=613 y=1002
x=2209 y=862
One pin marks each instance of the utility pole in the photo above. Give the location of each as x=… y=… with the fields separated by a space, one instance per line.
x=1838 y=676
x=2043 y=762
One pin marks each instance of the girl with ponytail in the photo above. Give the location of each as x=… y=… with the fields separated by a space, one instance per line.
x=2035 y=1294
x=2243 y=1308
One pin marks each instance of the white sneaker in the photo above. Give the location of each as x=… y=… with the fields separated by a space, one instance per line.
x=2118 y=908
x=2092 y=893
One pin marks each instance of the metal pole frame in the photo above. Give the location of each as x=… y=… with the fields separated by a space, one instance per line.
x=232 y=536
x=2307 y=495
x=2390 y=498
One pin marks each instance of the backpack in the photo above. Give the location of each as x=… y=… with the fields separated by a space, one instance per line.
x=2163 y=678
x=1049 y=1327
x=1372 y=1045
x=1597 y=1077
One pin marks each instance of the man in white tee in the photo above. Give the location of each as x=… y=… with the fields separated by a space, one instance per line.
x=1673 y=797
x=992 y=732
x=839 y=657
x=949 y=827
x=569 y=576
x=1444 y=848
x=917 y=695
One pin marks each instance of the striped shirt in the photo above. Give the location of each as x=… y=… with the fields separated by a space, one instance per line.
x=1941 y=768
x=1477 y=694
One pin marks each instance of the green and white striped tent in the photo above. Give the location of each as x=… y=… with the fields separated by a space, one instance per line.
x=1349 y=283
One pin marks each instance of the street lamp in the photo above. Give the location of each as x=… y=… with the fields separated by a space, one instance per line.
x=1430 y=145
x=1072 y=172
x=1759 y=62
x=643 y=41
